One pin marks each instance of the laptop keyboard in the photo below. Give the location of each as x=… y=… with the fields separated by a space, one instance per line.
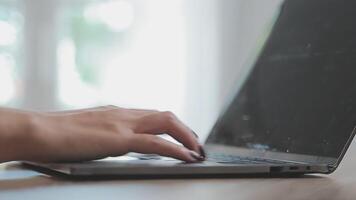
x=231 y=159
x=219 y=158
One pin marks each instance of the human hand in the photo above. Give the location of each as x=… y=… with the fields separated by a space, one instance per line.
x=110 y=131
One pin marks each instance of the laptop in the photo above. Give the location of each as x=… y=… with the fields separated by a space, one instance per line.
x=293 y=110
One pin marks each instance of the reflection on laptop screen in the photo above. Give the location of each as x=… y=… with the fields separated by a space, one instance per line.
x=300 y=97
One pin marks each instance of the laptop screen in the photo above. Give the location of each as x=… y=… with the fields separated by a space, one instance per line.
x=300 y=96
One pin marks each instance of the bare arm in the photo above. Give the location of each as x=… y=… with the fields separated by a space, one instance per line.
x=92 y=134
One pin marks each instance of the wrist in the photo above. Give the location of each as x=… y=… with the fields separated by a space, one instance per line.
x=18 y=134
x=31 y=137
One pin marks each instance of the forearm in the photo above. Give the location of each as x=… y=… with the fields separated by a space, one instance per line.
x=16 y=135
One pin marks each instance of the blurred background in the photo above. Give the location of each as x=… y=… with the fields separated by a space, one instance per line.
x=178 y=55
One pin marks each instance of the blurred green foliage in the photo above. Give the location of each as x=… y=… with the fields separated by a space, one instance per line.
x=92 y=42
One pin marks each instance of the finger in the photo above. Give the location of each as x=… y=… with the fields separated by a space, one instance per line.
x=166 y=122
x=151 y=144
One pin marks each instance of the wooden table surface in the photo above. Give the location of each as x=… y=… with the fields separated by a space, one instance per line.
x=18 y=183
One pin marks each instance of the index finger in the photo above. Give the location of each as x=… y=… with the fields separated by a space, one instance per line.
x=151 y=144
x=167 y=122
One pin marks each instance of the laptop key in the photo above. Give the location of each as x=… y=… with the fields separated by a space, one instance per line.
x=222 y=158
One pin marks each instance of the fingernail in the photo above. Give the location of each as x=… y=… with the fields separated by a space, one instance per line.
x=192 y=157
x=196 y=156
x=196 y=135
x=202 y=151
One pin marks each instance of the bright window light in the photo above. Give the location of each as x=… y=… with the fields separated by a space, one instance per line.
x=7 y=33
x=151 y=72
x=7 y=84
x=72 y=91
x=142 y=66
x=118 y=15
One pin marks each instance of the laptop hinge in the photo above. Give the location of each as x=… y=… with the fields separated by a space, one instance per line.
x=331 y=168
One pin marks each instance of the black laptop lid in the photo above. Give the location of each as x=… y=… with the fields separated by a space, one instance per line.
x=300 y=96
